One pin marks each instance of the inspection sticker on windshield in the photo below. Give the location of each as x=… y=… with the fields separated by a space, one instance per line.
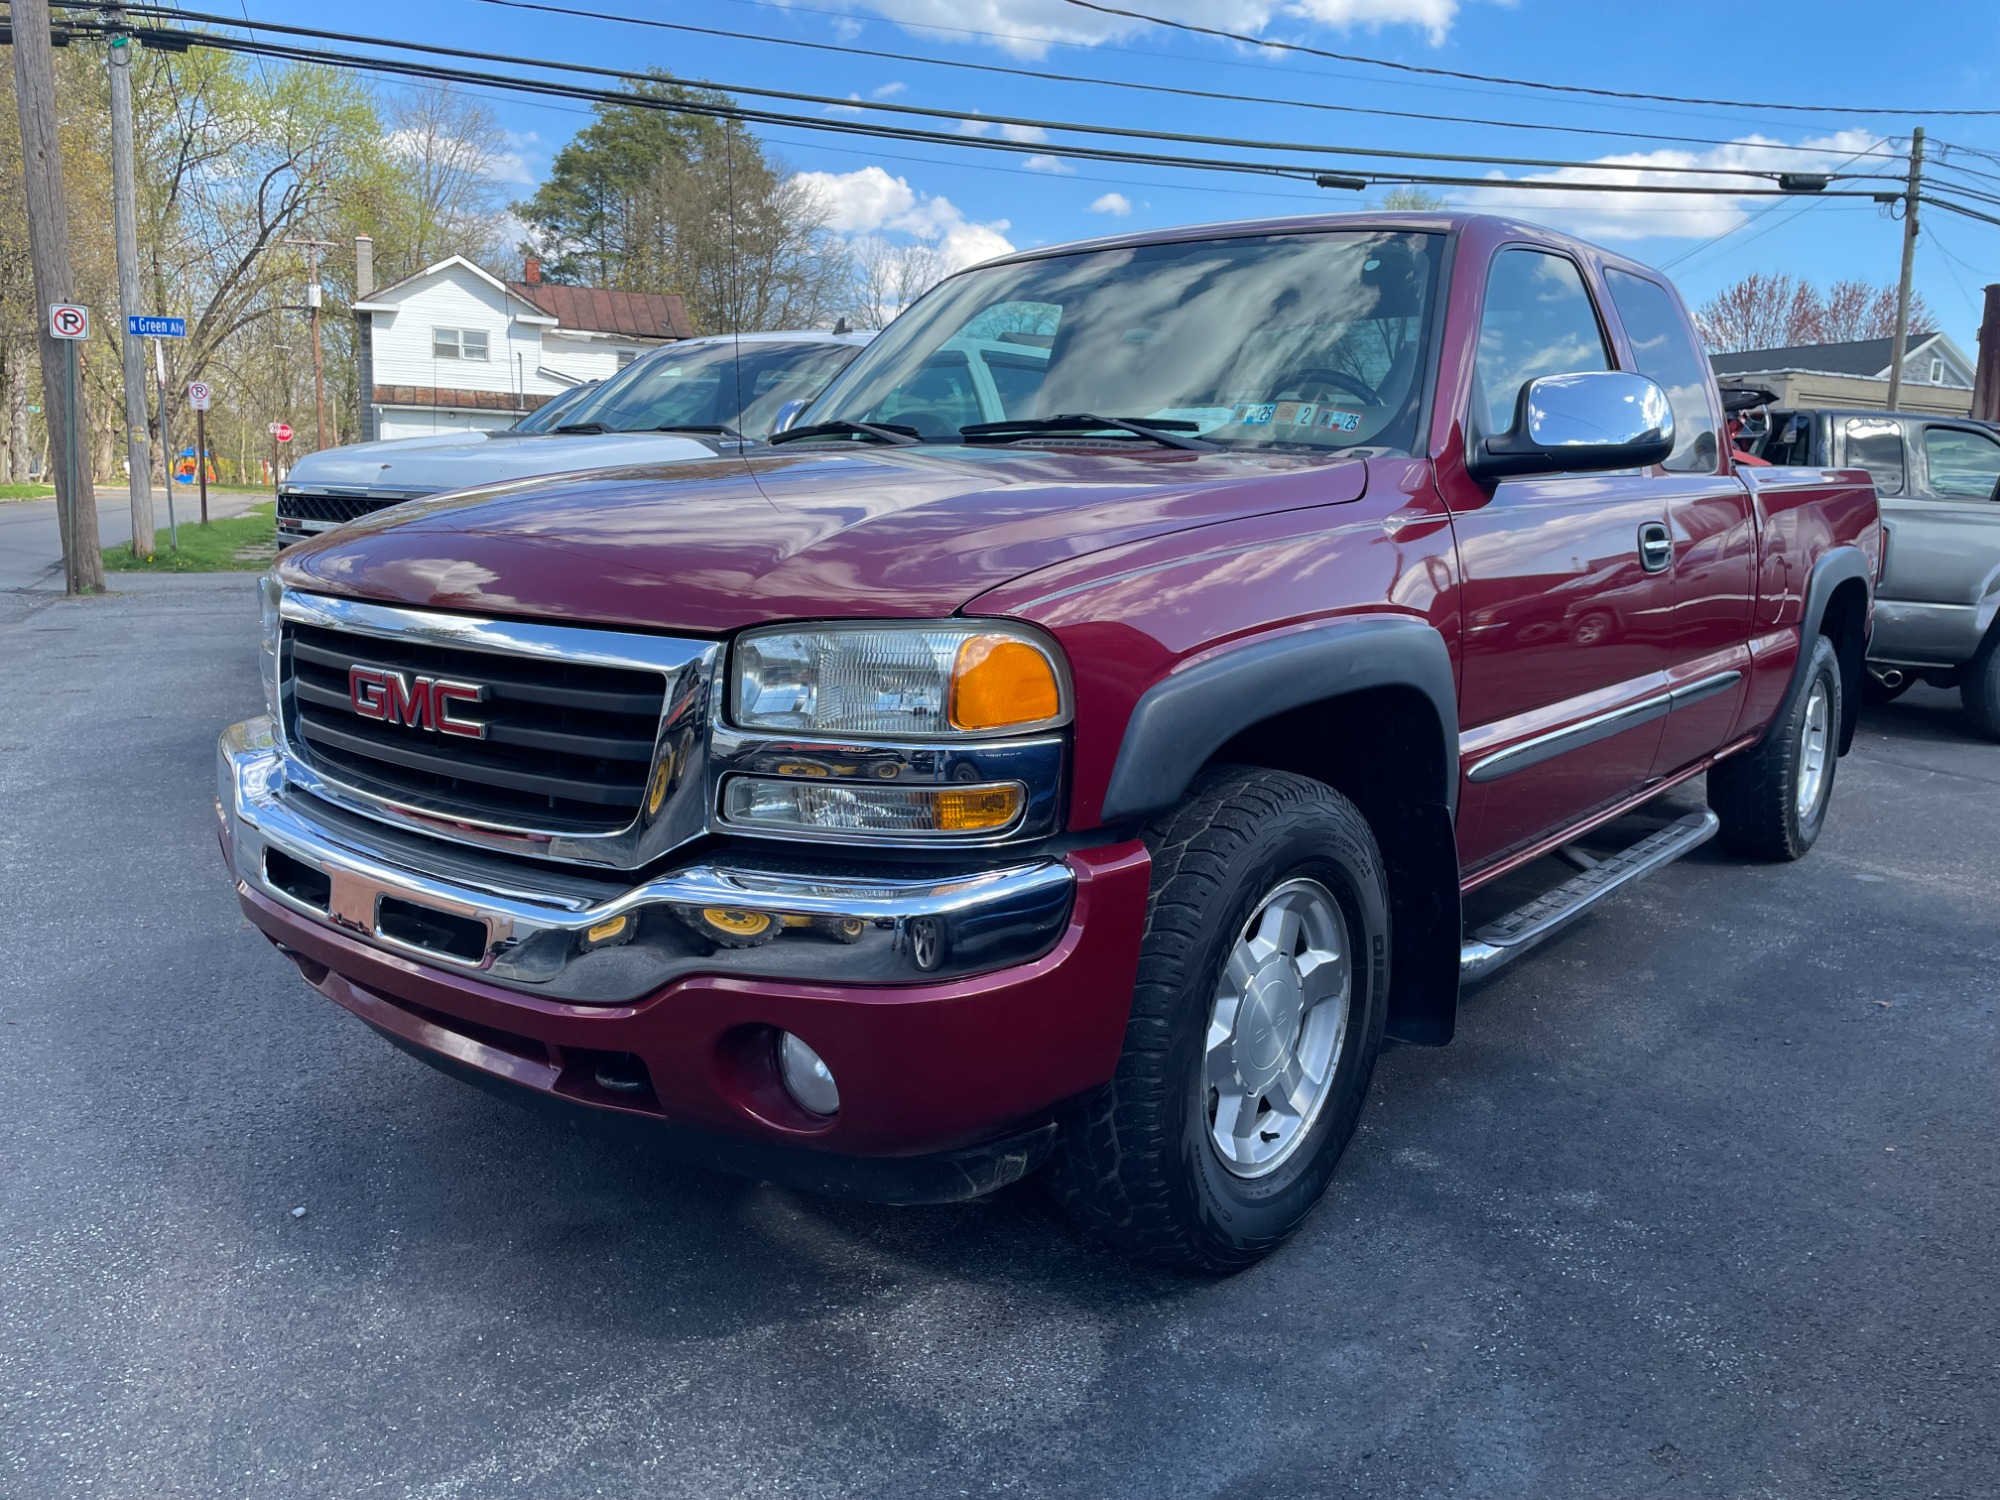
x=1254 y=415
x=1340 y=421
x=1296 y=413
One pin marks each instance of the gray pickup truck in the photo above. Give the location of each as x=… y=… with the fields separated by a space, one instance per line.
x=1939 y=482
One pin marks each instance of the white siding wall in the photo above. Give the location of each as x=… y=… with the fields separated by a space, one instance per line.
x=452 y=299
x=411 y=421
x=586 y=359
x=517 y=352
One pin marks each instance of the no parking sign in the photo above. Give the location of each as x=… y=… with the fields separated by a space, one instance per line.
x=68 y=321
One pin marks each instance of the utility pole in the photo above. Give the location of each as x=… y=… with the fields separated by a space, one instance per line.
x=1911 y=195
x=312 y=249
x=48 y=249
x=125 y=218
x=364 y=335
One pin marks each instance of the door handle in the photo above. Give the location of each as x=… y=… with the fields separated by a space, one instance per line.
x=1656 y=547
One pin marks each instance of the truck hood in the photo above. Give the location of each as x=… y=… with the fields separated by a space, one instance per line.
x=458 y=460
x=711 y=547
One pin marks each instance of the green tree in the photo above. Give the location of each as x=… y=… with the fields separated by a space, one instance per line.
x=588 y=215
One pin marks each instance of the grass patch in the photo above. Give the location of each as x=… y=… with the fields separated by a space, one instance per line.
x=26 y=491
x=240 y=544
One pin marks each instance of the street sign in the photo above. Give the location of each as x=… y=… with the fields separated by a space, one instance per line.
x=143 y=326
x=282 y=431
x=68 y=321
x=199 y=395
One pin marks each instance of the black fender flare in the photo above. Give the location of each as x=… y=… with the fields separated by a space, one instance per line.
x=1183 y=719
x=1836 y=566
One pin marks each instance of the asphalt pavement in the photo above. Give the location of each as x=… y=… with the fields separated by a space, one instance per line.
x=1702 y=1202
x=31 y=542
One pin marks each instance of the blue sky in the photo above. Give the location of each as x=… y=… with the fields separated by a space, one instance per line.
x=1943 y=54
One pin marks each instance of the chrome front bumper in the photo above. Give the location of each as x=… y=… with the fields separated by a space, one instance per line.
x=578 y=936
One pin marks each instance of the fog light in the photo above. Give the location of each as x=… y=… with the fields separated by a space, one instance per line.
x=859 y=807
x=807 y=1077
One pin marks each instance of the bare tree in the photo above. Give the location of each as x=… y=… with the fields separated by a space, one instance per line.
x=1776 y=311
x=444 y=144
x=889 y=277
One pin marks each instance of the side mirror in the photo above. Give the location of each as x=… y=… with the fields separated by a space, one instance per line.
x=789 y=413
x=1573 y=424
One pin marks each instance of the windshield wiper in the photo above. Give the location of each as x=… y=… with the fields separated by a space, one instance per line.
x=705 y=429
x=592 y=428
x=1166 y=431
x=893 y=433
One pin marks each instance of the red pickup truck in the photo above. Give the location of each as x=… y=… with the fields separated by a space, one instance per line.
x=1067 y=745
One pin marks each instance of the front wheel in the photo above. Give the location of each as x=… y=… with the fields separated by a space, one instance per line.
x=1772 y=798
x=1263 y=985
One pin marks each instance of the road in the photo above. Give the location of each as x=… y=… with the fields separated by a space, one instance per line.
x=1702 y=1202
x=31 y=542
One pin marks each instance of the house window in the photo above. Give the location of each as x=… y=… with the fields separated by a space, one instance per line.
x=625 y=357
x=1937 y=372
x=458 y=343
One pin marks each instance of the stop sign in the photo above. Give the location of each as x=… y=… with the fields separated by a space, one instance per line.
x=282 y=431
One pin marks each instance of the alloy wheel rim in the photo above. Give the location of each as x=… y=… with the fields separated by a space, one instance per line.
x=1815 y=742
x=1277 y=1027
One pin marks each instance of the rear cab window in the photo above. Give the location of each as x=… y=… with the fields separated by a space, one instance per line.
x=1876 y=444
x=1665 y=354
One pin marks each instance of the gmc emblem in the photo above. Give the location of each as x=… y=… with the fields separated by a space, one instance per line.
x=420 y=702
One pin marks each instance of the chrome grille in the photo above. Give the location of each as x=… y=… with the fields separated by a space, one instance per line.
x=584 y=744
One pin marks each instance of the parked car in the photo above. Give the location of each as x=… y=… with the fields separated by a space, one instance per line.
x=553 y=411
x=922 y=802
x=1938 y=612
x=685 y=401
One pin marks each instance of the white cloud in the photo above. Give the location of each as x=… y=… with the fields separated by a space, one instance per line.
x=1632 y=216
x=846 y=109
x=1116 y=204
x=1027 y=28
x=1055 y=166
x=870 y=201
x=1023 y=135
x=887 y=91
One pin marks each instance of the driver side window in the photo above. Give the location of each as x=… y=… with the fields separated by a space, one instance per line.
x=1538 y=321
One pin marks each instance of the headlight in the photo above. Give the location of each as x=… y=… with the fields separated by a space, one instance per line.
x=897 y=681
x=270 y=595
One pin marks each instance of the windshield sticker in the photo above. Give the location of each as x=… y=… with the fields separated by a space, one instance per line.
x=1254 y=415
x=1340 y=421
x=1296 y=413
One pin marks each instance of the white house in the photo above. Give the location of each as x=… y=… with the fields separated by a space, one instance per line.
x=455 y=348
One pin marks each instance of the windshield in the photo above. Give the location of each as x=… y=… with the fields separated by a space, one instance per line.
x=552 y=411
x=1298 y=341
x=712 y=384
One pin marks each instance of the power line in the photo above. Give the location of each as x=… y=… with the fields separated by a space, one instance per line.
x=718 y=107
x=1746 y=222
x=1047 y=76
x=1018 y=122
x=1523 y=83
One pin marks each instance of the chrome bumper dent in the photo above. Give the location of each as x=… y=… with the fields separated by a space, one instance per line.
x=560 y=935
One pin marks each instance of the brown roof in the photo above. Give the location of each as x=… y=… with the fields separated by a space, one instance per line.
x=596 y=309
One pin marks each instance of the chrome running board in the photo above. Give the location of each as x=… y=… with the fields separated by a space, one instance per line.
x=1501 y=942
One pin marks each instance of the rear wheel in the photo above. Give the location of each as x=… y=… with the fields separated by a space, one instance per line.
x=1980 y=691
x=1772 y=798
x=1263 y=984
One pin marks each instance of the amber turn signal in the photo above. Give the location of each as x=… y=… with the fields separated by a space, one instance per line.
x=978 y=810
x=1000 y=681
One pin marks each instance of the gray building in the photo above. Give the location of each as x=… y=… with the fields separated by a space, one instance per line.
x=1937 y=375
